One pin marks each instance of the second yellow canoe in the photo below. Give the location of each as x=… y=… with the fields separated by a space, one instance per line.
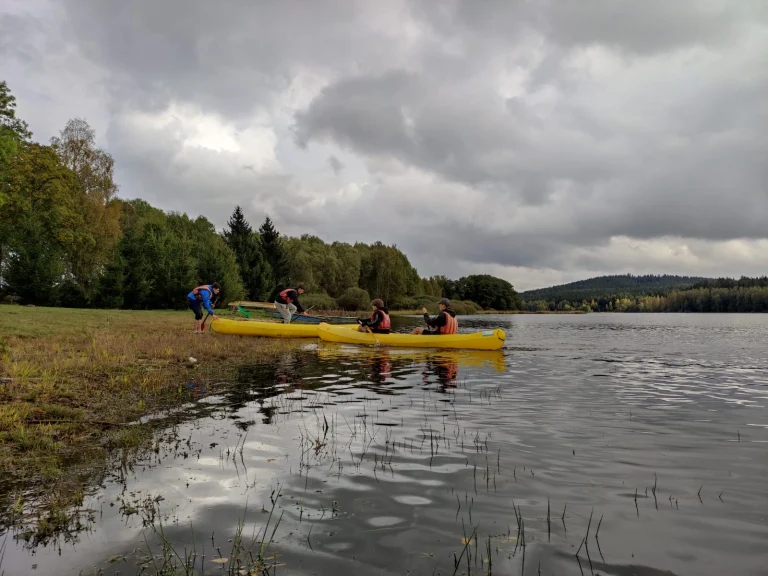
x=488 y=340
x=270 y=329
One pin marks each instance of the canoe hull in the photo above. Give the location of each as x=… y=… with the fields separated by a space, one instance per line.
x=268 y=329
x=488 y=340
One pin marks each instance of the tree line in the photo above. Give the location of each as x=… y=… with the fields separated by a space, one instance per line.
x=66 y=239
x=708 y=295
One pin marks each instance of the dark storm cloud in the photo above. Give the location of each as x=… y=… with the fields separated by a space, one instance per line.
x=230 y=56
x=512 y=133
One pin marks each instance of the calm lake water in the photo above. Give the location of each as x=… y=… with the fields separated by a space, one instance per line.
x=387 y=461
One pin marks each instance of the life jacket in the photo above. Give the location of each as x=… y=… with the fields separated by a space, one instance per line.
x=451 y=324
x=196 y=291
x=284 y=295
x=385 y=323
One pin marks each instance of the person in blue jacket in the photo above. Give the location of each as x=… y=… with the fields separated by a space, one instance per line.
x=200 y=298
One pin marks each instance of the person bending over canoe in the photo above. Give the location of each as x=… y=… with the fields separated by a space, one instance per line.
x=444 y=323
x=379 y=322
x=287 y=303
x=200 y=298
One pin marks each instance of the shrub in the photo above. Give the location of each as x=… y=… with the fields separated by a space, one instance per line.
x=317 y=300
x=413 y=303
x=354 y=299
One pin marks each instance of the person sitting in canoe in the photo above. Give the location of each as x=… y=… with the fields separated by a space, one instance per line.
x=287 y=303
x=444 y=323
x=201 y=297
x=379 y=323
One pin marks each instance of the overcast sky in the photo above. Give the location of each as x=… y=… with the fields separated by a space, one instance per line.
x=541 y=141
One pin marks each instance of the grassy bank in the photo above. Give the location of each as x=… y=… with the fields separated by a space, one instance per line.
x=70 y=381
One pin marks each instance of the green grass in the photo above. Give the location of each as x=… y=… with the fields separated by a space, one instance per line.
x=71 y=379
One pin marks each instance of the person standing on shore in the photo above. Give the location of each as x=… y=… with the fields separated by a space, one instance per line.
x=287 y=303
x=200 y=298
x=444 y=323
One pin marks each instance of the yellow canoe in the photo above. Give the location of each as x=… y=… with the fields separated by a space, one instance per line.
x=488 y=340
x=270 y=329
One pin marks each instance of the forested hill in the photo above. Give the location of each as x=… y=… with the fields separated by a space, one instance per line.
x=616 y=286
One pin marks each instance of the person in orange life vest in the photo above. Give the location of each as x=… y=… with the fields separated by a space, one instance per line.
x=200 y=298
x=379 y=323
x=287 y=303
x=444 y=323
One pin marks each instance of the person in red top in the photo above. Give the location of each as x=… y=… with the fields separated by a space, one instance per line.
x=379 y=323
x=287 y=302
x=444 y=323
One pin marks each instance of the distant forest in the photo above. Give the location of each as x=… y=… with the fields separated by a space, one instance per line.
x=651 y=293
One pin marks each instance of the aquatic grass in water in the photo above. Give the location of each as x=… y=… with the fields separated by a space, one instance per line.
x=71 y=379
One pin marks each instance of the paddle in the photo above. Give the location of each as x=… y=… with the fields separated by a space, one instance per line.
x=375 y=340
x=304 y=313
x=202 y=326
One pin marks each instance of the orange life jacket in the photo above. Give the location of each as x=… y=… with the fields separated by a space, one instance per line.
x=385 y=323
x=451 y=325
x=196 y=291
x=284 y=295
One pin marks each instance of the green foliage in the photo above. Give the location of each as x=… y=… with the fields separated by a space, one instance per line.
x=274 y=252
x=8 y=114
x=464 y=307
x=161 y=257
x=111 y=284
x=413 y=302
x=331 y=268
x=41 y=224
x=385 y=272
x=354 y=299
x=612 y=287
x=485 y=290
x=720 y=295
x=93 y=169
x=13 y=133
x=254 y=269
x=34 y=269
x=318 y=301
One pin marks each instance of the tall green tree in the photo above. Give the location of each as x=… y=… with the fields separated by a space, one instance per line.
x=254 y=269
x=14 y=132
x=485 y=290
x=94 y=170
x=274 y=252
x=43 y=223
x=215 y=261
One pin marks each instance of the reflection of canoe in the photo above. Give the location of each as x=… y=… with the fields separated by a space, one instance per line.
x=270 y=329
x=464 y=358
x=488 y=340
x=315 y=319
